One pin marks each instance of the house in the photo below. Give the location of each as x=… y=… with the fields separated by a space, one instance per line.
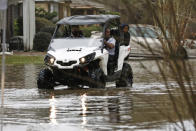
x=12 y=13
x=26 y=9
x=62 y=7
x=86 y=7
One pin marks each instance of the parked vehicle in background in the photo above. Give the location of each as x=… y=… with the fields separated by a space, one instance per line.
x=144 y=36
x=190 y=43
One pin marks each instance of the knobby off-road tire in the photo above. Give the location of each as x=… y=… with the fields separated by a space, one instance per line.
x=97 y=79
x=126 y=78
x=45 y=79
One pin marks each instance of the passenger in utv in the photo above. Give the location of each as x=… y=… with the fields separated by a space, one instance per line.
x=76 y=32
x=125 y=36
x=109 y=43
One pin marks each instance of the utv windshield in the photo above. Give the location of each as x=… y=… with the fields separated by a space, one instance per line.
x=71 y=36
x=78 y=31
x=143 y=32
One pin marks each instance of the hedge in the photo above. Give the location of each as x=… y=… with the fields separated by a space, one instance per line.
x=42 y=23
x=42 y=41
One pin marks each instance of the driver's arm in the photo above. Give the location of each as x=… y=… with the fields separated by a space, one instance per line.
x=110 y=43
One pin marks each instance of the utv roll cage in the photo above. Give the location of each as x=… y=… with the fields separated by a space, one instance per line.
x=87 y=19
x=104 y=20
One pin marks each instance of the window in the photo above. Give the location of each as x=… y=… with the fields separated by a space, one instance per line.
x=143 y=32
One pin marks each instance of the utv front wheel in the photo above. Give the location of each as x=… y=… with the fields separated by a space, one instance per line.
x=126 y=78
x=45 y=79
x=96 y=78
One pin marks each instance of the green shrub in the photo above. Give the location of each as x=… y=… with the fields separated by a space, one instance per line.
x=42 y=22
x=111 y=13
x=39 y=22
x=48 y=29
x=41 y=41
x=18 y=26
x=41 y=12
x=87 y=30
x=51 y=29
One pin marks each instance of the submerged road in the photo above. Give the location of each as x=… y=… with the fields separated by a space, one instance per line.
x=138 y=108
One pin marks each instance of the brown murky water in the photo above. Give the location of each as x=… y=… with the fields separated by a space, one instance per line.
x=29 y=109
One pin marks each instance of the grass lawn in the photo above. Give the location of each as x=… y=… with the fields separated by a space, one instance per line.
x=21 y=59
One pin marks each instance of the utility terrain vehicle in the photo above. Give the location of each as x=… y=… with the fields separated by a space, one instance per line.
x=82 y=60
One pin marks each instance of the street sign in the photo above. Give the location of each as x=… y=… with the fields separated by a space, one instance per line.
x=3 y=4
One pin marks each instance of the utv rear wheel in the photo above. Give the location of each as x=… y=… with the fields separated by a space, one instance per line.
x=126 y=78
x=96 y=78
x=45 y=79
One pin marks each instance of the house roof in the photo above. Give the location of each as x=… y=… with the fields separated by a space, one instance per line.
x=53 y=0
x=87 y=19
x=85 y=4
x=16 y=1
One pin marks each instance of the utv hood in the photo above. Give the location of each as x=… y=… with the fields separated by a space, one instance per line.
x=73 y=49
x=68 y=43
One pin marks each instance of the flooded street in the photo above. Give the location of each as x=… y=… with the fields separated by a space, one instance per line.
x=29 y=109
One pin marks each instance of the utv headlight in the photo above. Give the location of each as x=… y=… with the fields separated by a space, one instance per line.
x=82 y=60
x=49 y=59
x=87 y=58
x=52 y=60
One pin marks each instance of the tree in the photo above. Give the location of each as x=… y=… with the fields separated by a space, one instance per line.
x=172 y=16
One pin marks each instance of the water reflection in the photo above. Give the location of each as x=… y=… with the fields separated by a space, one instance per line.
x=53 y=110
x=84 y=109
x=113 y=108
x=1 y=117
x=29 y=75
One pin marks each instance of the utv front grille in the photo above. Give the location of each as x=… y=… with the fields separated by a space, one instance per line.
x=66 y=63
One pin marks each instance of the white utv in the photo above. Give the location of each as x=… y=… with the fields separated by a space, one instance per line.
x=82 y=60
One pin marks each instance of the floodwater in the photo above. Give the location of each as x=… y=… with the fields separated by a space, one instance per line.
x=145 y=106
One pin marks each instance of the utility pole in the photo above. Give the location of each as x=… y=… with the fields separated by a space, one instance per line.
x=3 y=8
